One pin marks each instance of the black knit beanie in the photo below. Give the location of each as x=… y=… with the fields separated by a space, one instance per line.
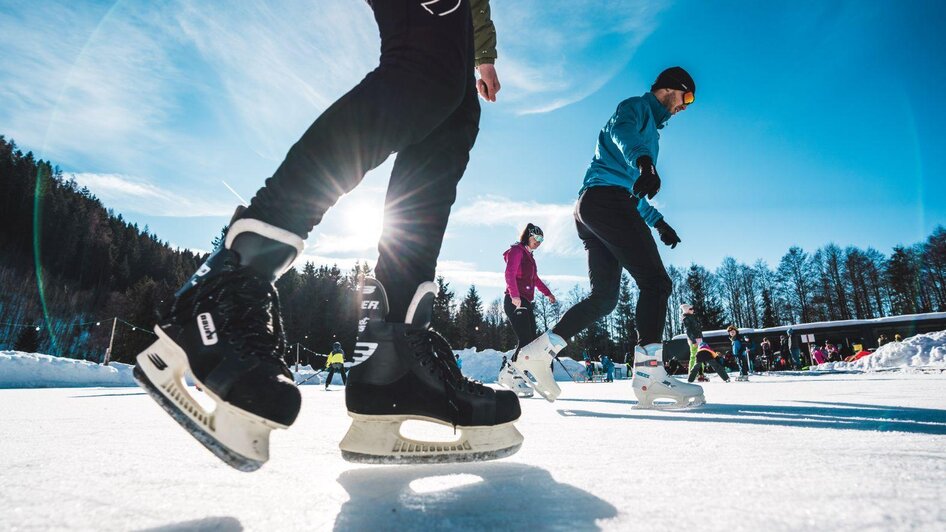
x=674 y=78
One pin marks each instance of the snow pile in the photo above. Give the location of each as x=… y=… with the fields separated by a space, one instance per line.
x=922 y=350
x=33 y=370
x=484 y=365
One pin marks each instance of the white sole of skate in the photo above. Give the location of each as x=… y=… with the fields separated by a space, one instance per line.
x=516 y=383
x=647 y=400
x=237 y=437
x=536 y=373
x=378 y=440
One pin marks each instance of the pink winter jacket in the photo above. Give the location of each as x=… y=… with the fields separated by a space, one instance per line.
x=522 y=277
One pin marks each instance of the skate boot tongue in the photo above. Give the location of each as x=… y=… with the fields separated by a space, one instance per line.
x=374 y=302
x=420 y=312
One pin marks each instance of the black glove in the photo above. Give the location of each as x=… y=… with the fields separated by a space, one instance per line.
x=667 y=234
x=648 y=184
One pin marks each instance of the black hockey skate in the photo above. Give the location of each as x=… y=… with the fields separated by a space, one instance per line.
x=408 y=372
x=224 y=330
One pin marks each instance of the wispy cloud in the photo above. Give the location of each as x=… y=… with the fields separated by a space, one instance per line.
x=556 y=220
x=139 y=196
x=546 y=64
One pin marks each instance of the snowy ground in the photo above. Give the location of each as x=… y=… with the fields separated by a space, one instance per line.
x=786 y=452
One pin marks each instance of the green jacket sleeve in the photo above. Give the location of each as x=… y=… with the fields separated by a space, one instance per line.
x=484 y=33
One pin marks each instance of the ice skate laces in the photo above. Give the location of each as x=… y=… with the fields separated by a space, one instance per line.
x=434 y=352
x=249 y=308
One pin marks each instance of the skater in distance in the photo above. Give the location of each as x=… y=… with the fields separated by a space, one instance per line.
x=335 y=363
x=224 y=325
x=612 y=217
x=522 y=280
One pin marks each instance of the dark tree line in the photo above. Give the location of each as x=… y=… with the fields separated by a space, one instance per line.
x=69 y=265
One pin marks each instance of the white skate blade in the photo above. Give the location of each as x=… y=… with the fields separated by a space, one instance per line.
x=535 y=371
x=678 y=403
x=511 y=380
x=237 y=437
x=378 y=440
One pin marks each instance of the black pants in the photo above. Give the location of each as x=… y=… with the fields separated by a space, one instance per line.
x=616 y=237
x=522 y=320
x=703 y=357
x=420 y=102
x=331 y=372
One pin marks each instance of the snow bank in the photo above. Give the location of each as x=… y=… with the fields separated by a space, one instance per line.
x=922 y=350
x=33 y=370
x=484 y=365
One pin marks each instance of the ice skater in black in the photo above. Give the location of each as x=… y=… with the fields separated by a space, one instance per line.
x=224 y=326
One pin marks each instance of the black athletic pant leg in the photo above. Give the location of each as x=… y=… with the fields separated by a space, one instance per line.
x=423 y=94
x=420 y=194
x=522 y=321
x=328 y=380
x=608 y=221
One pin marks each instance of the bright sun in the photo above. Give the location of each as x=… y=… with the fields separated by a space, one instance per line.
x=363 y=224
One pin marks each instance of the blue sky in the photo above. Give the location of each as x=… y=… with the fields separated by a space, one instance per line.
x=815 y=122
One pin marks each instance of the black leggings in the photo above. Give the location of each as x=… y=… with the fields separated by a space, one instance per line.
x=702 y=357
x=331 y=372
x=616 y=237
x=420 y=102
x=522 y=320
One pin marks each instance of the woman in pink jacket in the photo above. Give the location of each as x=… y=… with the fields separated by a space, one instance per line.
x=522 y=279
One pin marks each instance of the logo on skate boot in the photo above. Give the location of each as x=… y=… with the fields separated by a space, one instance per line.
x=642 y=374
x=363 y=350
x=370 y=305
x=441 y=8
x=158 y=363
x=368 y=289
x=208 y=332
x=362 y=325
x=668 y=384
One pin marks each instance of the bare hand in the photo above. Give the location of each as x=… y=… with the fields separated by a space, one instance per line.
x=552 y=299
x=488 y=84
x=516 y=301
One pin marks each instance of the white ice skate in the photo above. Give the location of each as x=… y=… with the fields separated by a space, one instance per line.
x=512 y=380
x=534 y=362
x=236 y=436
x=652 y=383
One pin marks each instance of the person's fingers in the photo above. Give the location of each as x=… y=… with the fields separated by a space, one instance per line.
x=482 y=89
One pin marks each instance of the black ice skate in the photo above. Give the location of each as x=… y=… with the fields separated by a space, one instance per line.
x=224 y=330
x=408 y=372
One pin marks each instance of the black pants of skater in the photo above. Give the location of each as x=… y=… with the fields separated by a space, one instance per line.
x=703 y=357
x=331 y=372
x=616 y=237
x=743 y=360
x=522 y=320
x=420 y=102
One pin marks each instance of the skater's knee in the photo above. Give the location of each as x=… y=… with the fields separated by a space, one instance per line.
x=604 y=303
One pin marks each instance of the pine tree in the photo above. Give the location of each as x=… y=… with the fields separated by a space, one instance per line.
x=903 y=279
x=624 y=315
x=470 y=318
x=28 y=339
x=705 y=304
x=443 y=316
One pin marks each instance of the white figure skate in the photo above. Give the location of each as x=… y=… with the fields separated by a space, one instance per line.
x=512 y=380
x=534 y=362
x=652 y=383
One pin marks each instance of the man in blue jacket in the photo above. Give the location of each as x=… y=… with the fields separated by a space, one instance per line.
x=612 y=216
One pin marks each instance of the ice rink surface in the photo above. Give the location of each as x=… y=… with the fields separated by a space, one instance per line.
x=788 y=452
